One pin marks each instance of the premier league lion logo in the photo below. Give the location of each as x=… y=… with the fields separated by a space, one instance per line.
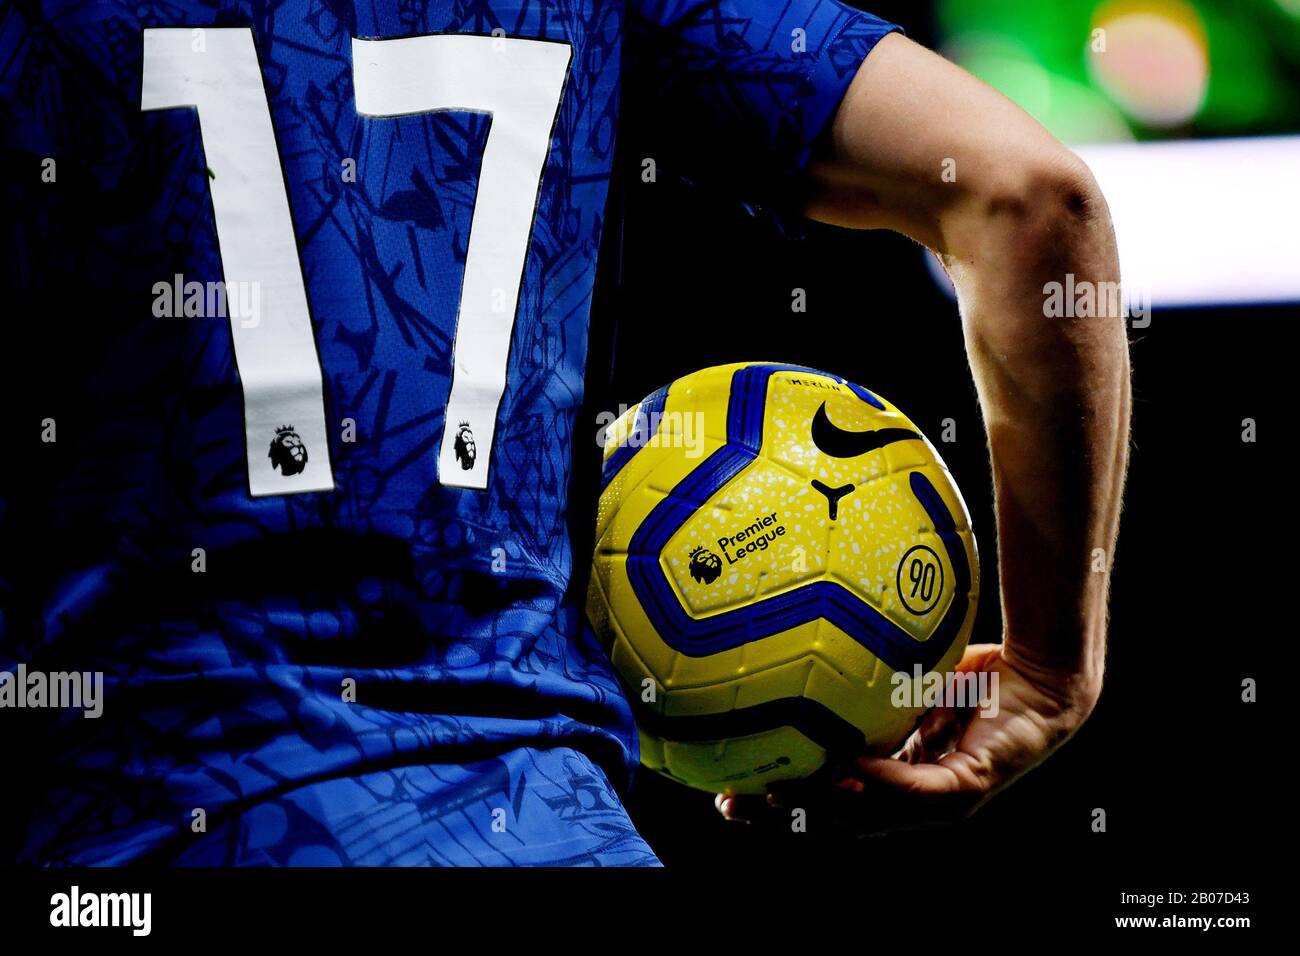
x=705 y=565
x=288 y=453
x=464 y=447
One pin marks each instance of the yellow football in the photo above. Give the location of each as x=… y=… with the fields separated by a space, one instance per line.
x=780 y=554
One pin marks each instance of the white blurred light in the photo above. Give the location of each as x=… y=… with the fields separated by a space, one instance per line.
x=1203 y=222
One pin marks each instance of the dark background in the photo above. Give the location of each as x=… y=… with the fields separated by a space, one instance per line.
x=1182 y=767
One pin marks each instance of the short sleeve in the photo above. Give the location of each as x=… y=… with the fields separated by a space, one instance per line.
x=735 y=94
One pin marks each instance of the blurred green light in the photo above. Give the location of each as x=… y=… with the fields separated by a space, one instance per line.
x=1040 y=54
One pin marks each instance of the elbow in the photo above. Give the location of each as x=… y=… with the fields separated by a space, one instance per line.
x=1023 y=246
x=1043 y=216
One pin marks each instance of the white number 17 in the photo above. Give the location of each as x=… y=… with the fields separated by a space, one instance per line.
x=518 y=82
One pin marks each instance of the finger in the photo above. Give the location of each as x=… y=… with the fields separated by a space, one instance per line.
x=936 y=735
x=861 y=806
x=884 y=795
x=788 y=793
x=978 y=657
x=931 y=793
x=955 y=773
x=939 y=730
x=741 y=808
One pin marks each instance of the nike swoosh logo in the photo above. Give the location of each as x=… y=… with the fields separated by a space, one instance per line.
x=838 y=443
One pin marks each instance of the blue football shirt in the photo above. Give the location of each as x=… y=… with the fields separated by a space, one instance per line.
x=301 y=295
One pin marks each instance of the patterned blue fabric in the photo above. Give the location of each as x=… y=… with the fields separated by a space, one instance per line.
x=480 y=700
x=732 y=95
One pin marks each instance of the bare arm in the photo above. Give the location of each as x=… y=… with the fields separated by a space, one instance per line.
x=1021 y=211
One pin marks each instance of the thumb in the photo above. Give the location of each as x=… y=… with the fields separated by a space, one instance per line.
x=936 y=735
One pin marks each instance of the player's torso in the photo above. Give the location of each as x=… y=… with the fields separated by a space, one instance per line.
x=308 y=288
x=334 y=265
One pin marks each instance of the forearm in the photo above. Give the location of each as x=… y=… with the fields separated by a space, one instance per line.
x=1055 y=397
x=921 y=147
